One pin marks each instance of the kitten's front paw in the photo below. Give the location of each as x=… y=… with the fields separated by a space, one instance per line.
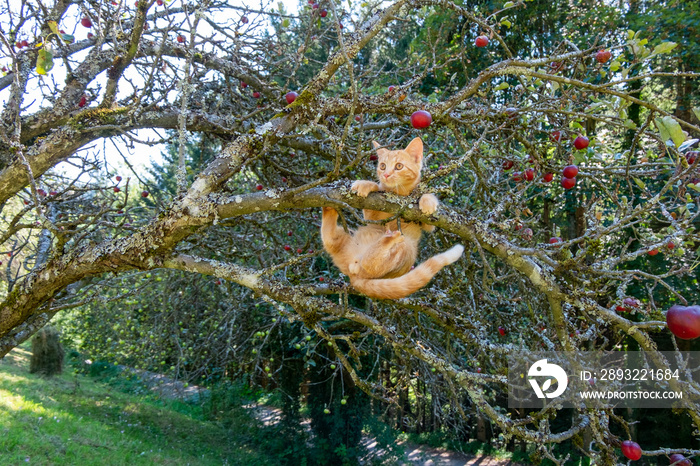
x=364 y=187
x=428 y=203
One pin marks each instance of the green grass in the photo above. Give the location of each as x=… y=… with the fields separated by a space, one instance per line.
x=72 y=419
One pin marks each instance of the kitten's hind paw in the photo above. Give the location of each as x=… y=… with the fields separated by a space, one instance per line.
x=391 y=237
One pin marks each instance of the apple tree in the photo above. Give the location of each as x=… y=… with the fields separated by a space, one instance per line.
x=571 y=182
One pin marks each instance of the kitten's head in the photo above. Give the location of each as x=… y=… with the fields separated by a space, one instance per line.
x=399 y=170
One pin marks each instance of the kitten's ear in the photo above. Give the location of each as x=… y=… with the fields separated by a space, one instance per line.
x=378 y=148
x=415 y=149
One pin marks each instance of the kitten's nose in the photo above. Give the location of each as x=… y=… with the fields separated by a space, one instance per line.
x=386 y=175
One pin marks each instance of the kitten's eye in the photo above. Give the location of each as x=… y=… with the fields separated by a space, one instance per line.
x=382 y=166
x=399 y=166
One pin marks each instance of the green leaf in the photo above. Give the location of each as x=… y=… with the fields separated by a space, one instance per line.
x=44 y=61
x=694 y=186
x=506 y=23
x=670 y=129
x=639 y=183
x=664 y=47
x=501 y=86
x=614 y=66
x=508 y=4
x=67 y=38
x=285 y=23
x=54 y=27
x=696 y=111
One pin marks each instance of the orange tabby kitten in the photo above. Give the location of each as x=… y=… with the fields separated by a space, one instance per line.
x=378 y=258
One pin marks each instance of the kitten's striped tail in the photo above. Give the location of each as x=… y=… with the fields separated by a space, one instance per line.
x=400 y=287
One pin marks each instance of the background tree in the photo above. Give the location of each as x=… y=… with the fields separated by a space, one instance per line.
x=249 y=168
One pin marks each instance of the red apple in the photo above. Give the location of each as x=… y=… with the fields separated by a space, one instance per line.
x=244 y=85
x=53 y=193
x=144 y=193
x=502 y=331
x=481 y=41
x=90 y=35
x=181 y=38
x=517 y=177
x=568 y=183
x=421 y=119
x=691 y=156
x=631 y=449
x=679 y=460
x=256 y=94
x=118 y=178
x=83 y=101
x=159 y=2
x=244 y=19
x=684 y=322
x=555 y=136
x=358 y=118
x=299 y=250
x=508 y=164
x=289 y=233
x=291 y=96
x=581 y=142
x=259 y=187
x=85 y=21
x=391 y=88
x=315 y=6
x=527 y=234
x=555 y=240
x=287 y=247
x=620 y=308
x=653 y=252
x=373 y=157
x=530 y=174
x=570 y=171
x=324 y=13
x=670 y=245
x=116 y=189
x=41 y=192
x=548 y=177
x=603 y=56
